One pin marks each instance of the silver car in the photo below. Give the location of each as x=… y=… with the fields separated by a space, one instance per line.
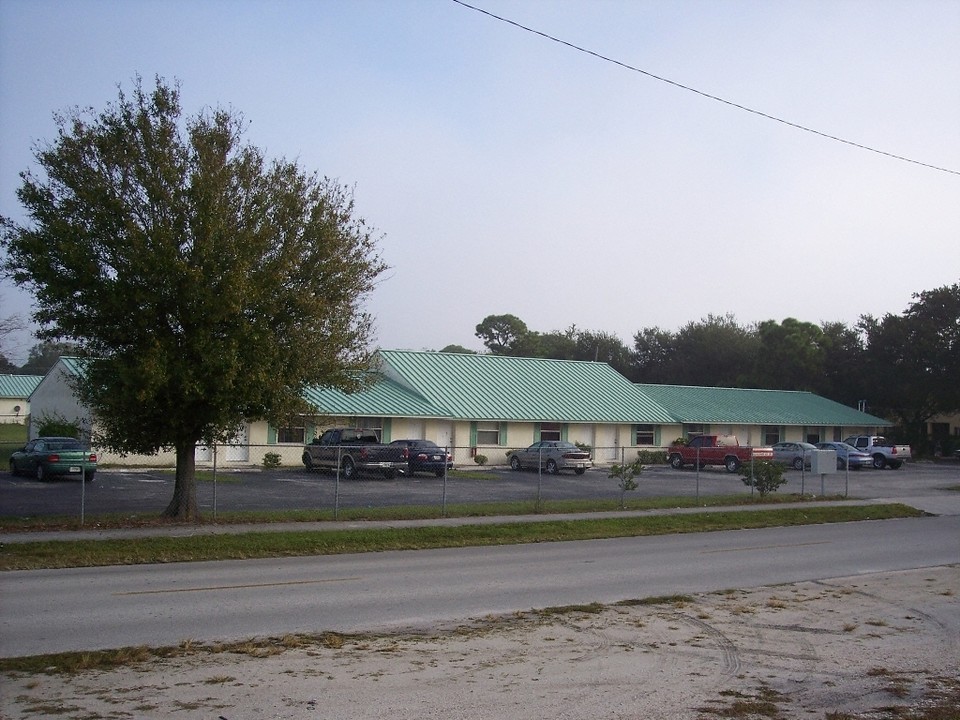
x=848 y=454
x=795 y=454
x=552 y=456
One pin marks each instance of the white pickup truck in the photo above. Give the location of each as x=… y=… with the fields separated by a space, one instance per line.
x=883 y=451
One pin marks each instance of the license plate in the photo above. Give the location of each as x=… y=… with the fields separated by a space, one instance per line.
x=434 y=457
x=74 y=468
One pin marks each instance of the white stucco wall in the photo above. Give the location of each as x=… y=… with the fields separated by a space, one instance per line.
x=14 y=410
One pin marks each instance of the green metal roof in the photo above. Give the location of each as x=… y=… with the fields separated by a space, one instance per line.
x=494 y=387
x=690 y=404
x=18 y=386
x=385 y=398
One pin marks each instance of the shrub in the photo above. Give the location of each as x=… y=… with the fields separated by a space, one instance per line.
x=652 y=457
x=480 y=459
x=57 y=425
x=626 y=474
x=764 y=476
x=271 y=460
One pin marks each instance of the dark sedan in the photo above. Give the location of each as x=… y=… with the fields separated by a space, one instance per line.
x=46 y=457
x=425 y=456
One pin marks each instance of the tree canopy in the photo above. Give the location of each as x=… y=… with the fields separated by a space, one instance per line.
x=903 y=367
x=205 y=285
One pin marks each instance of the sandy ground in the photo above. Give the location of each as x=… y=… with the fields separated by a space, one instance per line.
x=856 y=647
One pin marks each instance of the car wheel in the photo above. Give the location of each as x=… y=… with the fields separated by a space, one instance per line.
x=732 y=464
x=438 y=473
x=580 y=471
x=88 y=477
x=879 y=461
x=41 y=475
x=515 y=463
x=895 y=464
x=552 y=467
x=308 y=462
x=676 y=462
x=349 y=469
x=798 y=463
x=13 y=468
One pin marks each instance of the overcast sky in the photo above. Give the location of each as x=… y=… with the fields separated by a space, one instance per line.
x=509 y=173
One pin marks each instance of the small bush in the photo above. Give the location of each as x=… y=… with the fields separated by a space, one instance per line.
x=57 y=425
x=626 y=474
x=764 y=476
x=652 y=457
x=480 y=459
x=271 y=460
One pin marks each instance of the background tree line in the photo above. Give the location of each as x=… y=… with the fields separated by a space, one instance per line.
x=903 y=367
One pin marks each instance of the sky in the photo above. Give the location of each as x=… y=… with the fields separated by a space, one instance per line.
x=508 y=173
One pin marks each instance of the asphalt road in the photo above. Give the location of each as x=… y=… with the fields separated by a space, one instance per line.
x=57 y=610
x=90 y=608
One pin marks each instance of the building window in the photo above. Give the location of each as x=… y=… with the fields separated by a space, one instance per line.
x=691 y=430
x=550 y=431
x=291 y=435
x=771 y=434
x=643 y=435
x=488 y=433
x=370 y=423
x=814 y=435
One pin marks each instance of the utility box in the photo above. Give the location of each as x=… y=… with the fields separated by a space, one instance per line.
x=823 y=462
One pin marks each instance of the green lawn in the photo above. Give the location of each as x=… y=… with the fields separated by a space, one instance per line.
x=262 y=544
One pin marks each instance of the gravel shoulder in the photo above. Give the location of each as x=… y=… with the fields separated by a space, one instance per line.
x=853 y=647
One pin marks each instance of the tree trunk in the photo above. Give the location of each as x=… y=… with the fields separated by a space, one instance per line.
x=183 y=505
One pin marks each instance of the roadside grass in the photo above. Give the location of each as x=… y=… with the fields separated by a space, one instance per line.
x=265 y=544
x=412 y=512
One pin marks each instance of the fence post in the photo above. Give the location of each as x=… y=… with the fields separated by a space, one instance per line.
x=336 y=492
x=83 y=492
x=214 y=481
x=443 y=504
x=539 y=475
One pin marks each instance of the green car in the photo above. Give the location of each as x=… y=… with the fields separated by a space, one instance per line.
x=46 y=457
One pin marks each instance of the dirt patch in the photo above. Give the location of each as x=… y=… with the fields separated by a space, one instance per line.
x=873 y=646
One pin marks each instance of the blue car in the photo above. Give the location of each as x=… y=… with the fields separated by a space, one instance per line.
x=848 y=455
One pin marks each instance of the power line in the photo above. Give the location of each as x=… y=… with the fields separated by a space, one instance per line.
x=707 y=95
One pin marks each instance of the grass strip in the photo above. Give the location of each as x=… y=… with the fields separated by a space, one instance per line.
x=263 y=544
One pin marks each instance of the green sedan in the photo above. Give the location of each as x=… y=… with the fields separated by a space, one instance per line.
x=46 y=457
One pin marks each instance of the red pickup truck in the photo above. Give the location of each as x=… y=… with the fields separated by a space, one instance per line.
x=723 y=450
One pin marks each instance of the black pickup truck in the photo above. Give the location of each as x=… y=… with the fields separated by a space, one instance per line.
x=354 y=450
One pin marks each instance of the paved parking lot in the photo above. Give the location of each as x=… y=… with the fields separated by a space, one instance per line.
x=146 y=491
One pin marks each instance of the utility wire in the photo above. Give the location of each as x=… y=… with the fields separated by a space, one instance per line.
x=701 y=92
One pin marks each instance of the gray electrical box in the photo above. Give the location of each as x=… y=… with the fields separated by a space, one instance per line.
x=823 y=462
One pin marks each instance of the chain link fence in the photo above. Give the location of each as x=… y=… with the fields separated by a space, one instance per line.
x=274 y=477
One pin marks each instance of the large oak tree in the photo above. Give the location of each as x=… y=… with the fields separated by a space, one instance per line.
x=205 y=285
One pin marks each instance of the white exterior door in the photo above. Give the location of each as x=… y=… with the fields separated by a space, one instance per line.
x=239 y=449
